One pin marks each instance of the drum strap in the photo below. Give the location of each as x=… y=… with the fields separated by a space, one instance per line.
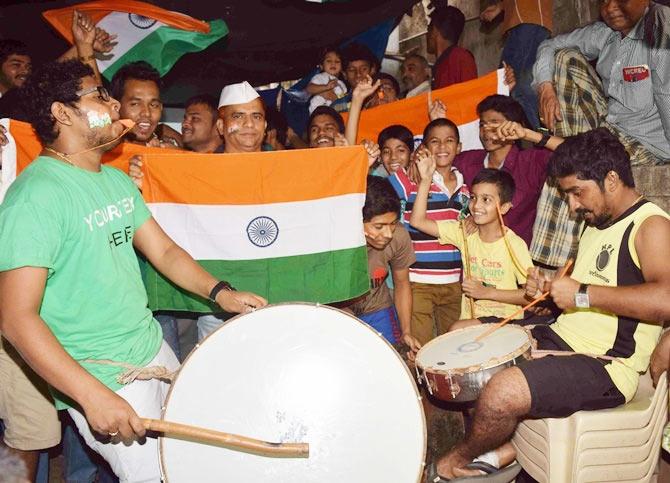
x=133 y=373
x=536 y=353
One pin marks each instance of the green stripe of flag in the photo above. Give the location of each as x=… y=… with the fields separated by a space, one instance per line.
x=322 y=277
x=163 y=47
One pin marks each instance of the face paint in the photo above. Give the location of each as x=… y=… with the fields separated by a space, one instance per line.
x=97 y=120
x=233 y=129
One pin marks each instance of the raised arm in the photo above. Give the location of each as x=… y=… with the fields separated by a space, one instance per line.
x=513 y=131
x=362 y=91
x=425 y=163
x=88 y=39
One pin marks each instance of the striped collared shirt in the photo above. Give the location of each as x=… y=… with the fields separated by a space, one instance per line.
x=435 y=263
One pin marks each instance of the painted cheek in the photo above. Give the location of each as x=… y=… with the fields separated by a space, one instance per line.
x=98 y=120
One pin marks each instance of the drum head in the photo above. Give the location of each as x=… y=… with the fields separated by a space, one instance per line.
x=458 y=349
x=297 y=373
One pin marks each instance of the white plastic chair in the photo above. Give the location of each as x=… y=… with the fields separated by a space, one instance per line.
x=617 y=445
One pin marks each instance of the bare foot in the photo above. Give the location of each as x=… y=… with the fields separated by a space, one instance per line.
x=448 y=466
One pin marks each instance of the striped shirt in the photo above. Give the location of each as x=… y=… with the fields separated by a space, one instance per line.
x=435 y=263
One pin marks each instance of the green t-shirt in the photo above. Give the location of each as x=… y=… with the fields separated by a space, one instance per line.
x=80 y=226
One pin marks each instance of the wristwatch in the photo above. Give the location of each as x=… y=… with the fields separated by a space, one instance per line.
x=222 y=285
x=582 y=297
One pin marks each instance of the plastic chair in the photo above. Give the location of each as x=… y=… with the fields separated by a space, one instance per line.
x=619 y=444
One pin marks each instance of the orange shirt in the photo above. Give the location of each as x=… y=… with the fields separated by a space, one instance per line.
x=517 y=12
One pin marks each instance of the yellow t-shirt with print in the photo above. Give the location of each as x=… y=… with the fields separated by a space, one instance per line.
x=607 y=257
x=492 y=264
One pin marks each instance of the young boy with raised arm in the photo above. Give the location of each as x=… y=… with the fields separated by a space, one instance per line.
x=498 y=262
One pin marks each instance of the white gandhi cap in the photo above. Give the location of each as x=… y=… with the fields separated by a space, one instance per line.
x=237 y=94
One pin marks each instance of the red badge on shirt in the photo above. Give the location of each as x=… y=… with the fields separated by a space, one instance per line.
x=635 y=73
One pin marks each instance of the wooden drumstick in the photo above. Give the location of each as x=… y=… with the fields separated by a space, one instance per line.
x=234 y=441
x=466 y=265
x=522 y=309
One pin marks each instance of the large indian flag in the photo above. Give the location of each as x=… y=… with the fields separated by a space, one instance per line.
x=286 y=225
x=461 y=101
x=145 y=32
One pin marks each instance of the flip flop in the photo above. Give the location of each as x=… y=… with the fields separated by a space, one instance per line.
x=493 y=474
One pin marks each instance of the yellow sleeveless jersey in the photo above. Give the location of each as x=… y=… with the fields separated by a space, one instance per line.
x=607 y=257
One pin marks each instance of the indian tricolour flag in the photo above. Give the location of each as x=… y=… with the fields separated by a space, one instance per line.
x=286 y=225
x=461 y=101
x=145 y=32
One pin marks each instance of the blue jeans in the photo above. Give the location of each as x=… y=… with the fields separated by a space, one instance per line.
x=209 y=323
x=520 y=52
x=80 y=463
x=170 y=332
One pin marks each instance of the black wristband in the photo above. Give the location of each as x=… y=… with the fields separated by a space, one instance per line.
x=222 y=285
x=543 y=142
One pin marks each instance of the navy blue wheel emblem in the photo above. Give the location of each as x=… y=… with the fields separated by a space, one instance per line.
x=262 y=231
x=140 y=21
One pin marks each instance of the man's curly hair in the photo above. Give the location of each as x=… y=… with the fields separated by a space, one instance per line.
x=53 y=82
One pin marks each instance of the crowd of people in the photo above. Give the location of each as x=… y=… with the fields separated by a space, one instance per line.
x=592 y=103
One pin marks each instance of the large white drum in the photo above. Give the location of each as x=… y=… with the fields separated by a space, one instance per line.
x=297 y=373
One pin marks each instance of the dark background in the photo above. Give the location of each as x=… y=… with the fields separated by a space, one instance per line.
x=269 y=40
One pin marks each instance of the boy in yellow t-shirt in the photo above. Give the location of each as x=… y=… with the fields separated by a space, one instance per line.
x=498 y=266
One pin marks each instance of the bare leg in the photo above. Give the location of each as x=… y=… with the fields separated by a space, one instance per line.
x=503 y=401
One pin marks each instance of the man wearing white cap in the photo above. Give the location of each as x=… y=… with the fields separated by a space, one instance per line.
x=241 y=118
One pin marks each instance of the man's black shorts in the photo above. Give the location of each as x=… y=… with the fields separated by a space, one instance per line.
x=562 y=385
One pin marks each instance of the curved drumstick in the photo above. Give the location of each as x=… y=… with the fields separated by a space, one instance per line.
x=515 y=260
x=234 y=441
x=522 y=309
x=466 y=265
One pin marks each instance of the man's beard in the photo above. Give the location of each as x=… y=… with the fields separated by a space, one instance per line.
x=597 y=221
x=109 y=142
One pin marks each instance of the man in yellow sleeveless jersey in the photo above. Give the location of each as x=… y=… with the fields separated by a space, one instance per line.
x=612 y=303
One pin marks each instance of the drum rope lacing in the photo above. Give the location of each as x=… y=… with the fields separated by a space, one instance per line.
x=133 y=373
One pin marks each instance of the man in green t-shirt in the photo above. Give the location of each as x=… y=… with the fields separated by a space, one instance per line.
x=71 y=294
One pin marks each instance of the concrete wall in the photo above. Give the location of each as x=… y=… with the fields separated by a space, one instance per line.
x=653 y=182
x=486 y=43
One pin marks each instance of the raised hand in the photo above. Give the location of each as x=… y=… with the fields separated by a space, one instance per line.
x=425 y=163
x=508 y=131
x=372 y=148
x=364 y=89
x=104 y=42
x=340 y=140
x=437 y=110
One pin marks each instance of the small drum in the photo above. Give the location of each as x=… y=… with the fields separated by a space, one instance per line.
x=456 y=368
x=297 y=373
